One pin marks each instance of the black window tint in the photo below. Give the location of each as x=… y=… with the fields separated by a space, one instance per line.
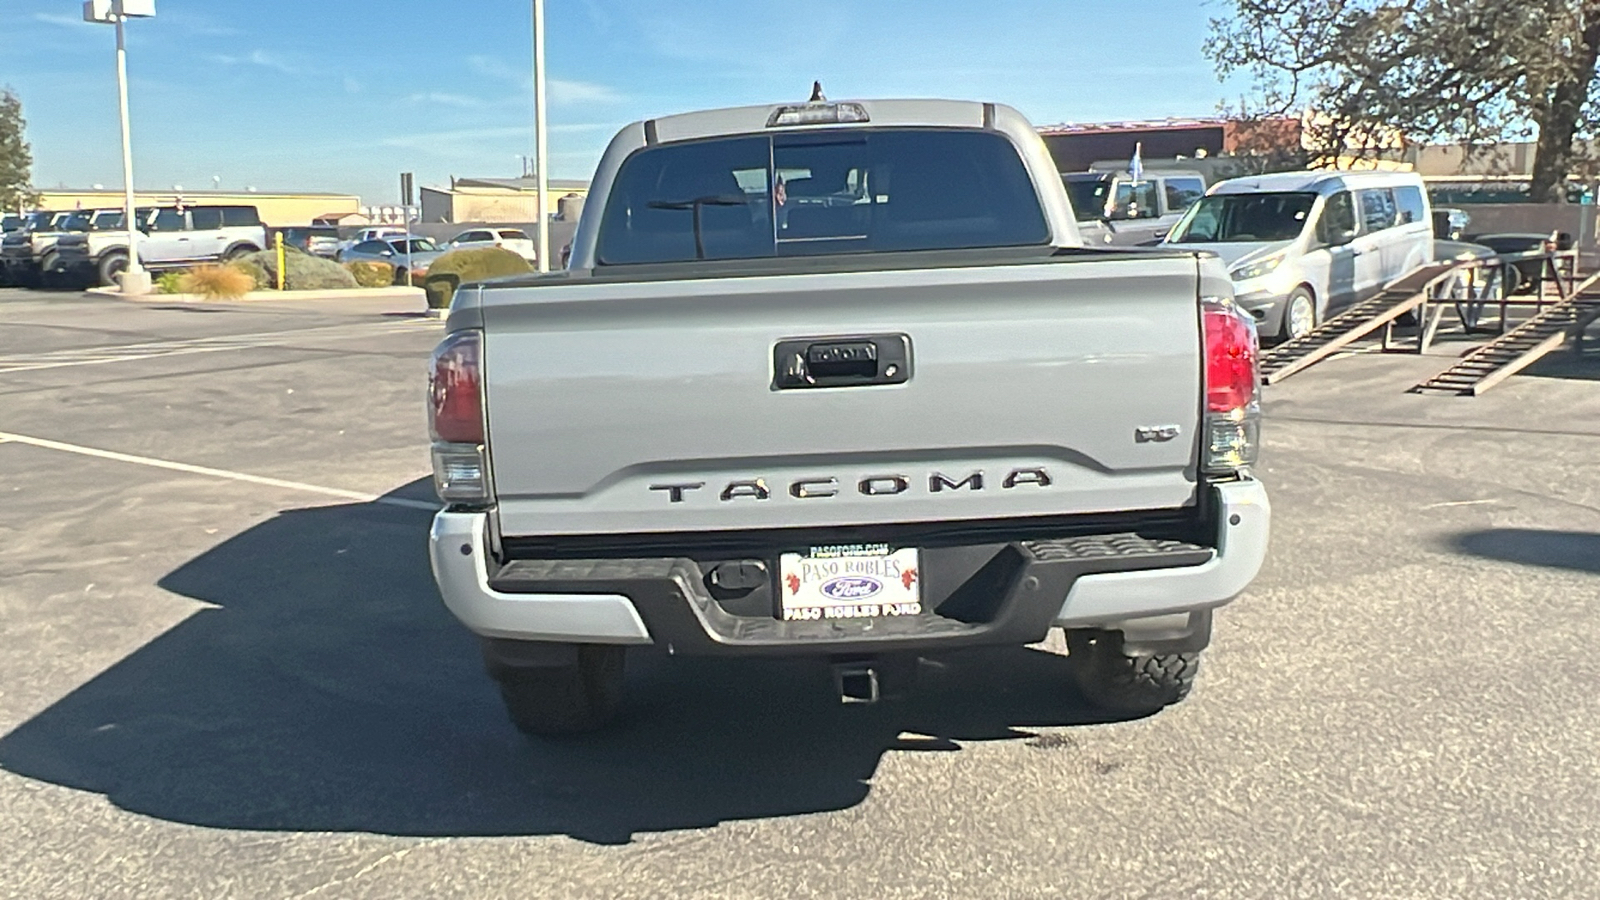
x=240 y=216
x=206 y=218
x=167 y=220
x=1409 y=200
x=1338 y=221
x=513 y=236
x=1245 y=218
x=820 y=192
x=374 y=248
x=1088 y=195
x=1183 y=192
x=1377 y=209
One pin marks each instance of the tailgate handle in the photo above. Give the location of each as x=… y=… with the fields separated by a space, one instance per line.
x=850 y=359
x=846 y=361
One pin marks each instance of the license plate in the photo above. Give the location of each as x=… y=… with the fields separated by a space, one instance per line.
x=855 y=581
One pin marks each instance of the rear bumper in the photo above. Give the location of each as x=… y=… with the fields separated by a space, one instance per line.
x=1028 y=586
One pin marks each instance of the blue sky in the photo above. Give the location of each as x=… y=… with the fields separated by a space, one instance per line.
x=342 y=95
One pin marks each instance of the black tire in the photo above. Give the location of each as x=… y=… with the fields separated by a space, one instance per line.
x=237 y=252
x=399 y=276
x=48 y=276
x=1112 y=680
x=569 y=699
x=1300 y=295
x=110 y=266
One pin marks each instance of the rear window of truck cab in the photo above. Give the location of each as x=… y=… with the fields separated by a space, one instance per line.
x=820 y=192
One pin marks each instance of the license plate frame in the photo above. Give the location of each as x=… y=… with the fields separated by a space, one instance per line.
x=850 y=581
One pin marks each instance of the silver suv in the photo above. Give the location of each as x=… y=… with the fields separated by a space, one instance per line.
x=174 y=237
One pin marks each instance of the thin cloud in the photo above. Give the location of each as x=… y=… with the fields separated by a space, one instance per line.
x=563 y=91
x=59 y=19
x=475 y=145
x=441 y=98
x=255 y=58
x=560 y=90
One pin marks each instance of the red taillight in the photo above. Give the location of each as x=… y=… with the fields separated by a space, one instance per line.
x=1230 y=357
x=455 y=389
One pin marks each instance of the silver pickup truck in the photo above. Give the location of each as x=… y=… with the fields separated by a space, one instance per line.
x=839 y=379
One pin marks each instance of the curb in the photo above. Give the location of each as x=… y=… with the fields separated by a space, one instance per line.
x=390 y=294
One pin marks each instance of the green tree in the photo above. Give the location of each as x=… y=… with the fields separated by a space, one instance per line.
x=1471 y=72
x=16 y=157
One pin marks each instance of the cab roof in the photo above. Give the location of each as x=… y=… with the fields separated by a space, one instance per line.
x=753 y=119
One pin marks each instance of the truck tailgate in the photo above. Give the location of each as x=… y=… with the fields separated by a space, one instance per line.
x=1072 y=385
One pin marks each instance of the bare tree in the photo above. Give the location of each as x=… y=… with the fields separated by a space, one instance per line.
x=1378 y=73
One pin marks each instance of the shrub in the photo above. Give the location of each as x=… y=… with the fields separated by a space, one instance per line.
x=170 y=282
x=217 y=282
x=459 y=267
x=259 y=278
x=304 y=271
x=370 y=273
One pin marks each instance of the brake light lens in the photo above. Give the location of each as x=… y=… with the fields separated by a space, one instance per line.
x=1231 y=352
x=822 y=113
x=455 y=418
x=1233 y=386
x=455 y=389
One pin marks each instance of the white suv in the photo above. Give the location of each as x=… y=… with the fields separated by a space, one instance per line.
x=513 y=239
x=174 y=237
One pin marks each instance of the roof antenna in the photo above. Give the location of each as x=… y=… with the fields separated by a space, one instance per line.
x=816 y=93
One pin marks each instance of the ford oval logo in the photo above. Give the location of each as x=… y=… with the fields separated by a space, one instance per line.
x=851 y=587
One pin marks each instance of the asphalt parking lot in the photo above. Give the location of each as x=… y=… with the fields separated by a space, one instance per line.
x=226 y=672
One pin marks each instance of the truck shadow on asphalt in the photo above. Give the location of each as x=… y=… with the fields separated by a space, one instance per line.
x=1577 y=550
x=329 y=690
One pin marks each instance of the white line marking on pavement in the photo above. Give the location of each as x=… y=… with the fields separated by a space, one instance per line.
x=215 y=473
x=1460 y=503
x=92 y=356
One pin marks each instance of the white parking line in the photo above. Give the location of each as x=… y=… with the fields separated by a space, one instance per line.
x=93 y=356
x=215 y=473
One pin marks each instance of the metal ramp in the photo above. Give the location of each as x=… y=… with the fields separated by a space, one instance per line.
x=1518 y=348
x=1360 y=320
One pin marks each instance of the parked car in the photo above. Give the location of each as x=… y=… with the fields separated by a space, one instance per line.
x=415 y=262
x=9 y=224
x=317 y=240
x=1299 y=245
x=30 y=255
x=1450 y=223
x=1112 y=208
x=922 y=420
x=1530 y=274
x=174 y=237
x=370 y=233
x=512 y=239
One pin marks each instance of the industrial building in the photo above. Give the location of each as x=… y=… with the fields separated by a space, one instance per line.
x=501 y=200
x=1075 y=147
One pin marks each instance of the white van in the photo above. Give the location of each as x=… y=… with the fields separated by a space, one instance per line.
x=1302 y=244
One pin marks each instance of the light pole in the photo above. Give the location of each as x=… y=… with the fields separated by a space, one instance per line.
x=540 y=150
x=135 y=280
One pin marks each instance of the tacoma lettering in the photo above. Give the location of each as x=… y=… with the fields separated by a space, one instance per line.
x=937 y=483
